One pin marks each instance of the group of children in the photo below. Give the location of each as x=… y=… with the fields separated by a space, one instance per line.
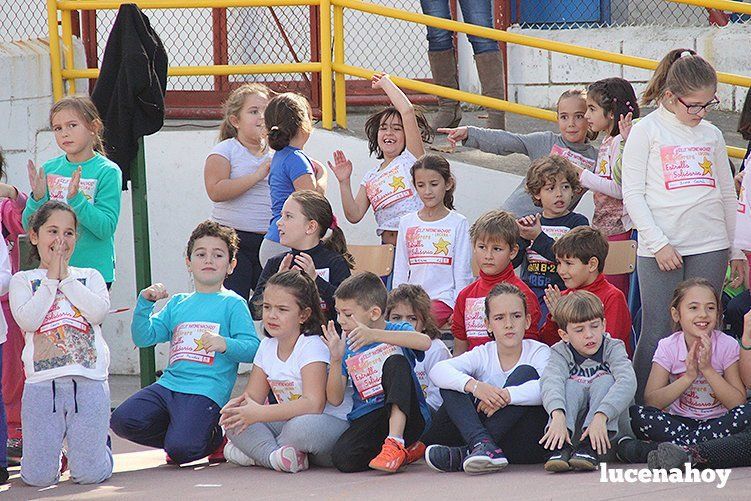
x=354 y=375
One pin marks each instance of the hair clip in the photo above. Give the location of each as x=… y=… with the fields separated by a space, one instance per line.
x=686 y=53
x=274 y=128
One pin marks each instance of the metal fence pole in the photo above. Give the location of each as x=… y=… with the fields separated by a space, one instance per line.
x=340 y=87
x=55 y=65
x=327 y=115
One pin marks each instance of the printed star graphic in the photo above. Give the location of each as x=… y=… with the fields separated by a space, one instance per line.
x=706 y=167
x=199 y=345
x=397 y=182
x=441 y=246
x=603 y=164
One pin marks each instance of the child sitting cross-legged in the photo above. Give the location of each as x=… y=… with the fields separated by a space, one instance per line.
x=389 y=411
x=580 y=256
x=587 y=386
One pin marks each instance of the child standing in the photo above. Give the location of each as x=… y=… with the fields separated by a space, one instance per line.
x=694 y=375
x=12 y=204
x=395 y=135
x=85 y=179
x=410 y=303
x=678 y=190
x=6 y=192
x=587 y=386
x=433 y=248
x=389 y=412
x=291 y=363
x=611 y=105
x=492 y=394
x=571 y=143
x=235 y=178
x=495 y=237
x=305 y=219
x=66 y=396
x=551 y=182
x=210 y=332
x=288 y=120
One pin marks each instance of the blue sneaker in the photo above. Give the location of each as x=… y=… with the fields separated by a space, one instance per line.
x=444 y=458
x=485 y=457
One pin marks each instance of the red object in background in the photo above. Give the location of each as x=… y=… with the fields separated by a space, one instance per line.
x=718 y=17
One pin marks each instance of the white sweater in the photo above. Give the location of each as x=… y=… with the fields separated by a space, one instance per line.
x=61 y=321
x=482 y=364
x=678 y=186
x=435 y=255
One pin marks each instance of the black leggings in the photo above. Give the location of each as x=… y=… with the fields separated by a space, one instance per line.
x=248 y=269
x=653 y=424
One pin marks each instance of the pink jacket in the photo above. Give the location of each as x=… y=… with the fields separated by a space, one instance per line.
x=10 y=219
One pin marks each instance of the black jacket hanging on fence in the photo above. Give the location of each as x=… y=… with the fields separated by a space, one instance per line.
x=129 y=92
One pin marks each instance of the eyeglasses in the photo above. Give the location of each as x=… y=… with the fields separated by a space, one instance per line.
x=695 y=109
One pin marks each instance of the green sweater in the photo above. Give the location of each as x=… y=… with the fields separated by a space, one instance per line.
x=97 y=205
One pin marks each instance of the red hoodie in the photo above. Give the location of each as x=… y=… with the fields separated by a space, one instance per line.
x=469 y=312
x=617 y=316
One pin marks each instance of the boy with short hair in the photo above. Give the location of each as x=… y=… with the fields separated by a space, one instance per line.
x=495 y=237
x=389 y=410
x=587 y=386
x=580 y=257
x=552 y=182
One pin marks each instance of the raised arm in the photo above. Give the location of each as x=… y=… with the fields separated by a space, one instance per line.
x=355 y=208
x=412 y=133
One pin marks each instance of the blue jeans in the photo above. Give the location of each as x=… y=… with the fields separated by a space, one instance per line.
x=479 y=12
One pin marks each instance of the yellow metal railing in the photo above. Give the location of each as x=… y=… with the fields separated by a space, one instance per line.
x=335 y=69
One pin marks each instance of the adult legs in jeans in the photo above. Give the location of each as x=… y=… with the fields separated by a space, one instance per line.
x=478 y=12
x=656 y=288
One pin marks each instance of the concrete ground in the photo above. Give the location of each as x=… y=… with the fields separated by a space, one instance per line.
x=140 y=473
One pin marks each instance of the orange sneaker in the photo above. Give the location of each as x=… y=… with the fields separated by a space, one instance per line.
x=415 y=452
x=393 y=456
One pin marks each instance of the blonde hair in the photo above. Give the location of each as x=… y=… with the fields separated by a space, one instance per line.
x=681 y=71
x=577 y=307
x=84 y=107
x=234 y=105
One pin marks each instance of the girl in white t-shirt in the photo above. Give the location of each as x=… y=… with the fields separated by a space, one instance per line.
x=236 y=179
x=678 y=190
x=433 y=248
x=292 y=364
x=395 y=134
x=410 y=303
x=60 y=309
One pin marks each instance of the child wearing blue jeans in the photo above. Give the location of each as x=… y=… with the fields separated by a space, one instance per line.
x=210 y=331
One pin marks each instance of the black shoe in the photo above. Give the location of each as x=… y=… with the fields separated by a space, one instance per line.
x=671 y=456
x=485 y=457
x=444 y=458
x=559 y=460
x=14 y=450
x=3 y=475
x=585 y=458
x=630 y=450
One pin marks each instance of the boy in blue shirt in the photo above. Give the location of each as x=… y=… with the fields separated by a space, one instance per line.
x=389 y=411
x=210 y=331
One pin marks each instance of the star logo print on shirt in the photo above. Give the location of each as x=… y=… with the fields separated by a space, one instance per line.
x=706 y=167
x=397 y=182
x=441 y=246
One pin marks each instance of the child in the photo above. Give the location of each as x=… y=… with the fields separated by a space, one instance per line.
x=389 y=412
x=66 y=396
x=552 y=182
x=288 y=120
x=495 y=237
x=292 y=364
x=8 y=193
x=210 y=332
x=396 y=135
x=695 y=375
x=235 y=177
x=611 y=105
x=492 y=394
x=305 y=219
x=587 y=386
x=12 y=204
x=410 y=303
x=571 y=143
x=433 y=248
x=678 y=190
x=85 y=179
x=580 y=258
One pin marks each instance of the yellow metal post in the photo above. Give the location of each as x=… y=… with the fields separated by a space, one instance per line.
x=725 y=5
x=57 y=78
x=327 y=112
x=68 y=47
x=340 y=88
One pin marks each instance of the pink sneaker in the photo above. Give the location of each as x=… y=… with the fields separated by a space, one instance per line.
x=288 y=459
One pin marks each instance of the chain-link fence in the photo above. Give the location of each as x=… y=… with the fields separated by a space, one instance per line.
x=22 y=19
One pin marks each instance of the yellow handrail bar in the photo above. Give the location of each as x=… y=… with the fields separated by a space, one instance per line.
x=726 y=5
x=216 y=70
x=178 y=4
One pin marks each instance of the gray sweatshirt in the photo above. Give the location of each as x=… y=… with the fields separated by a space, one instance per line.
x=534 y=145
x=565 y=363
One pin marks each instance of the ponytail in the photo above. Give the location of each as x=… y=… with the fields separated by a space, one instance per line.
x=316 y=208
x=681 y=71
x=285 y=116
x=338 y=243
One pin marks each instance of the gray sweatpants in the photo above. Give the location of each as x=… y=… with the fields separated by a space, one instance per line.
x=315 y=434
x=656 y=288
x=72 y=408
x=582 y=402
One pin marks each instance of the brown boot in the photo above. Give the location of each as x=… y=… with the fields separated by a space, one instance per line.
x=443 y=67
x=490 y=70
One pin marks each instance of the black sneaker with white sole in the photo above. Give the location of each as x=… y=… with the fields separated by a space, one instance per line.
x=485 y=457
x=446 y=459
x=584 y=458
x=631 y=450
x=559 y=460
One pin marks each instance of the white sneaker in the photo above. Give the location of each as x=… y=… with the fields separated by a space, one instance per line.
x=288 y=459
x=235 y=456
